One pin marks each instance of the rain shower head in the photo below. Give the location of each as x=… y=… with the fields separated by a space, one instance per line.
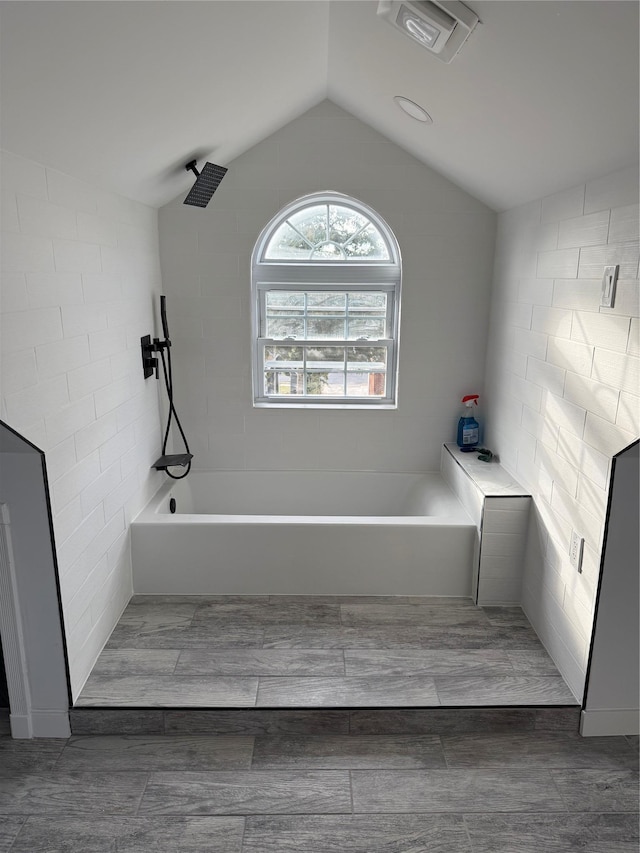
x=207 y=182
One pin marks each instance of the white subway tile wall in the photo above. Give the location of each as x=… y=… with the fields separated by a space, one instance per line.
x=580 y=399
x=81 y=272
x=446 y=238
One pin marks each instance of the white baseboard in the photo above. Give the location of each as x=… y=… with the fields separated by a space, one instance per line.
x=616 y=722
x=20 y=726
x=50 y=724
x=40 y=724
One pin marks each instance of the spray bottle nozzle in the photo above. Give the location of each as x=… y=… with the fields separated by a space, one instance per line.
x=469 y=398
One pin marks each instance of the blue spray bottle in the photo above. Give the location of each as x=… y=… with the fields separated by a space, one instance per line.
x=468 y=427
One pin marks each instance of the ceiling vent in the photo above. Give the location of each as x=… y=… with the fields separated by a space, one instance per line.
x=441 y=26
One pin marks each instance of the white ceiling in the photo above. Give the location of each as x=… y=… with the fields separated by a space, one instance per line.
x=543 y=96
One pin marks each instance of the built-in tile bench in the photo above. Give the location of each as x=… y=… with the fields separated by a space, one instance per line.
x=499 y=507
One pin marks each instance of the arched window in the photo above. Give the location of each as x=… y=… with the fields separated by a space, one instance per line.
x=325 y=278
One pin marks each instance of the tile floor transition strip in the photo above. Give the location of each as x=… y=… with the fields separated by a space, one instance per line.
x=560 y=719
x=441 y=721
x=116 y=721
x=261 y=721
x=314 y=721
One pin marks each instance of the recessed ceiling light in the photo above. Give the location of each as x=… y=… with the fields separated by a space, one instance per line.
x=412 y=109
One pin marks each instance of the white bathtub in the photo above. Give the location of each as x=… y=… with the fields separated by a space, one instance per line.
x=304 y=533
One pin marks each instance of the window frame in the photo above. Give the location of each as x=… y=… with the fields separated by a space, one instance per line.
x=325 y=275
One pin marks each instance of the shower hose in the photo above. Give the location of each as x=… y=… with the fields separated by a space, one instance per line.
x=168 y=381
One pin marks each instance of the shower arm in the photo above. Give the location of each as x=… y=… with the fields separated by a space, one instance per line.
x=191 y=166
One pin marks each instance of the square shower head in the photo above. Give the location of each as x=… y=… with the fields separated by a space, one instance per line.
x=206 y=184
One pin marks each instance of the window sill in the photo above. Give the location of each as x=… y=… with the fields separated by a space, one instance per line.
x=268 y=404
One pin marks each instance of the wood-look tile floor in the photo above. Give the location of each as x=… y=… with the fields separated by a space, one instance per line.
x=542 y=791
x=321 y=652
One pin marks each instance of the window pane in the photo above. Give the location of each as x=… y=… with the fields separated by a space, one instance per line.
x=325 y=384
x=367 y=301
x=320 y=357
x=328 y=251
x=366 y=384
x=287 y=244
x=289 y=299
x=368 y=244
x=311 y=222
x=344 y=223
x=327 y=371
x=366 y=371
x=282 y=327
x=283 y=357
x=375 y=357
x=325 y=231
x=325 y=327
x=283 y=382
x=326 y=303
x=366 y=327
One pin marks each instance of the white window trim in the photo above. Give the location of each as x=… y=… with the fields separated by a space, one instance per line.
x=330 y=274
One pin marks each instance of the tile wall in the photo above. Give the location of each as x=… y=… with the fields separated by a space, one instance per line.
x=563 y=383
x=446 y=238
x=80 y=271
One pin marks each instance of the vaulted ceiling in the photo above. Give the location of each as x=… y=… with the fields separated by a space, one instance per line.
x=544 y=95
